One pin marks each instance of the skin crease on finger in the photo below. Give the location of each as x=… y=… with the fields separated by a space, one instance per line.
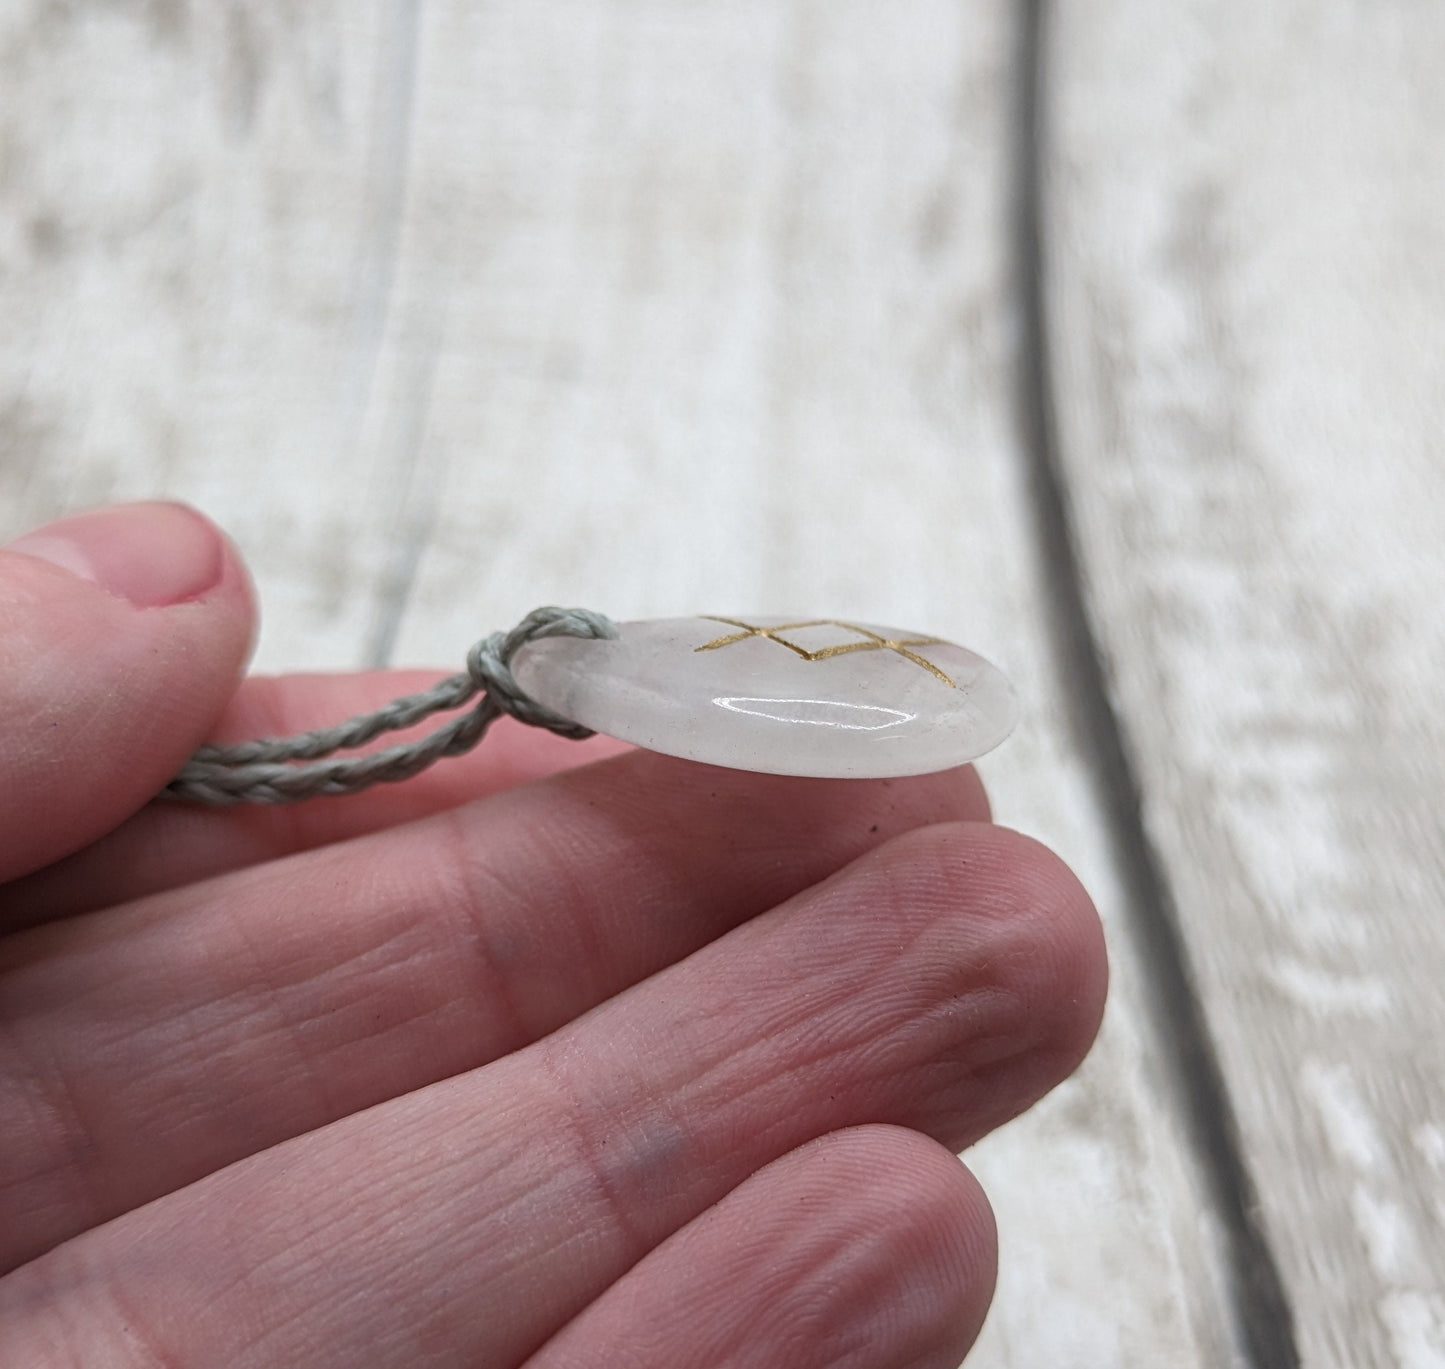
x=275 y=1000
x=864 y=1249
x=941 y=983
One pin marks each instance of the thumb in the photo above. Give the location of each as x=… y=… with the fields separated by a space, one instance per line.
x=122 y=633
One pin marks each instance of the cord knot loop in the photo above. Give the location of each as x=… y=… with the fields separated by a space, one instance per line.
x=489 y=663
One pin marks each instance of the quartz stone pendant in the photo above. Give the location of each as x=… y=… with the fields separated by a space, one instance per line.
x=790 y=697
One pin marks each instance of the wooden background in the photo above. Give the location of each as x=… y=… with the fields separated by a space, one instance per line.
x=1109 y=339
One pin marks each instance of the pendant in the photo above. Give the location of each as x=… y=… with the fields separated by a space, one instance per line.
x=814 y=696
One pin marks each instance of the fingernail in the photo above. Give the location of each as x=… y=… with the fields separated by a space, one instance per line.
x=149 y=554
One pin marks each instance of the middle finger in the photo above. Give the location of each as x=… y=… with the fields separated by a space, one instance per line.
x=150 y=1045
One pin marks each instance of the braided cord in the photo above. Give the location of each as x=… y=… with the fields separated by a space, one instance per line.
x=288 y=769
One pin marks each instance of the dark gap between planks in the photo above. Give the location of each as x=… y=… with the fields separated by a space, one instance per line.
x=1265 y=1323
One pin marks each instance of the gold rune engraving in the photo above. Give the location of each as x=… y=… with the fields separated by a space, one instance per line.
x=868 y=640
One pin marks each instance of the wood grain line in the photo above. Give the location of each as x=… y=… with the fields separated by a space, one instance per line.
x=1265 y=1322
x=389 y=166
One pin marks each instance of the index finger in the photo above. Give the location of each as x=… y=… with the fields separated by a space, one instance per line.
x=167 y=845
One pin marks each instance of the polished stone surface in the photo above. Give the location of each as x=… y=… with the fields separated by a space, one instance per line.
x=790 y=697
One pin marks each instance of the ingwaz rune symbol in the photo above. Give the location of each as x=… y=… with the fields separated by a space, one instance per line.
x=868 y=641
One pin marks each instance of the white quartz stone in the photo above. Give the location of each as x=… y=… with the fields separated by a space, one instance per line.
x=790 y=697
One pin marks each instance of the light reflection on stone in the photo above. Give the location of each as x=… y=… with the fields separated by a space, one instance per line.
x=820 y=713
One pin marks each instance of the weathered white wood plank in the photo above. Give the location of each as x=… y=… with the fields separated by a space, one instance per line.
x=449 y=310
x=197 y=207
x=1248 y=231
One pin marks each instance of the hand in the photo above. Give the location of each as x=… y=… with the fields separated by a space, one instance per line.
x=642 y=1063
